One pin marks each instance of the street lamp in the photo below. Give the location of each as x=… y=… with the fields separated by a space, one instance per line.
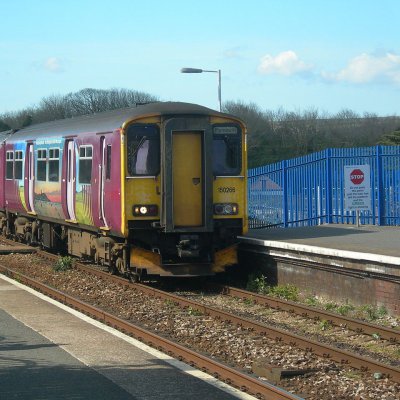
x=199 y=71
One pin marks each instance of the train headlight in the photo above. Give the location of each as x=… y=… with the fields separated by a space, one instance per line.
x=226 y=209
x=145 y=210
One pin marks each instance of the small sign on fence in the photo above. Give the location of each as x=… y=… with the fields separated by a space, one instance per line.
x=357 y=188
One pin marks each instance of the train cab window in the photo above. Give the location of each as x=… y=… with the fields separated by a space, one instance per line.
x=227 y=150
x=54 y=165
x=143 y=150
x=18 y=164
x=41 y=170
x=9 y=165
x=85 y=164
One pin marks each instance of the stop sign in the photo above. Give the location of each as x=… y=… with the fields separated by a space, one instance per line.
x=357 y=176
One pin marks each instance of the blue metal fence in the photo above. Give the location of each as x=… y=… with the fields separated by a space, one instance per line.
x=309 y=190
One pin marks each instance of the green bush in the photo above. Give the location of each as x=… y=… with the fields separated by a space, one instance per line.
x=372 y=312
x=311 y=300
x=344 y=309
x=286 y=292
x=330 y=306
x=63 y=264
x=257 y=284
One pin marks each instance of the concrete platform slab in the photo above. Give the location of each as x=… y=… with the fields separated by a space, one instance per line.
x=373 y=241
x=341 y=262
x=58 y=353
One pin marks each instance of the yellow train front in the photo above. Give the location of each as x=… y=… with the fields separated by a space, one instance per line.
x=185 y=189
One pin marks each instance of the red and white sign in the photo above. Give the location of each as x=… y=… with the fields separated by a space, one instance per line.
x=357 y=187
x=357 y=176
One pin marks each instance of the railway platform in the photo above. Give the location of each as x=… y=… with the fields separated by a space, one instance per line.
x=360 y=265
x=50 y=351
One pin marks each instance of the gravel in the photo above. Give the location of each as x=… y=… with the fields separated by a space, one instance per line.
x=228 y=343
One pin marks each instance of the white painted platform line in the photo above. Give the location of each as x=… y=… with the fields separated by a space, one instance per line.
x=324 y=251
x=156 y=353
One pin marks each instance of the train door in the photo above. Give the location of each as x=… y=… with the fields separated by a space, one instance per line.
x=187 y=181
x=30 y=177
x=102 y=178
x=70 y=192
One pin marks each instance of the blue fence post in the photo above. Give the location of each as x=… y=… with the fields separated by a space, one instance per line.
x=285 y=194
x=328 y=182
x=379 y=180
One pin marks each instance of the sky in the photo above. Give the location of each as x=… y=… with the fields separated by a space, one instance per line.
x=297 y=55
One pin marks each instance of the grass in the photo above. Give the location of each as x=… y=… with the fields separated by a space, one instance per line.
x=285 y=292
x=344 y=309
x=373 y=313
x=324 y=325
x=258 y=283
x=195 y=312
x=355 y=375
x=311 y=300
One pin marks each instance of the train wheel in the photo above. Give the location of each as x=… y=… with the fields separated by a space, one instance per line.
x=112 y=270
x=134 y=277
x=120 y=265
x=28 y=238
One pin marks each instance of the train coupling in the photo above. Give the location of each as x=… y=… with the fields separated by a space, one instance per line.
x=188 y=246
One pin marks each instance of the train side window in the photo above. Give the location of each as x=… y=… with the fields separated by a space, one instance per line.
x=9 y=165
x=143 y=150
x=85 y=164
x=41 y=170
x=18 y=164
x=108 y=162
x=227 y=150
x=54 y=165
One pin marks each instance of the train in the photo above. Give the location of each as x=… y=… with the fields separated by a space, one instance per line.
x=157 y=189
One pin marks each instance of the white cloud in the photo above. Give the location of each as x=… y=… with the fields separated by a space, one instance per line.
x=367 y=68
x=53 y=64
x=285 y=63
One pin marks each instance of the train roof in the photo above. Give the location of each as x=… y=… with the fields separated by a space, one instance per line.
x=106 y=121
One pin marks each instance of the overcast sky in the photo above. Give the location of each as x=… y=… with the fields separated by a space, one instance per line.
x=295 y=54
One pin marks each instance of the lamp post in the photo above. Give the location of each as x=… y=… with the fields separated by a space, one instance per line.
x=199 y=71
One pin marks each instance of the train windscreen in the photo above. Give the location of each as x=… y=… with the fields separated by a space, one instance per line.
x=227 y=150
x=143 y=150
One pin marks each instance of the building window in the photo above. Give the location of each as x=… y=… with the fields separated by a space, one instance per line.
x=54 y=165
x=18 y=164
x=41 y=170
x=9 y=165
x=85 y=164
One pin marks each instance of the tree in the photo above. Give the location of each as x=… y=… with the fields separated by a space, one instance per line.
x=85 y=101
x=391 y=139
x=27 y=121
x=4 y=126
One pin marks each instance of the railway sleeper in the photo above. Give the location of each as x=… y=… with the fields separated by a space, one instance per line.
x=275 y=374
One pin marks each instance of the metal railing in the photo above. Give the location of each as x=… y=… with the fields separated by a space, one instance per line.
x=309 y=190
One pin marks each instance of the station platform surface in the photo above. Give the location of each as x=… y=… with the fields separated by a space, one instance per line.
x=48 y=351
x=377 y=243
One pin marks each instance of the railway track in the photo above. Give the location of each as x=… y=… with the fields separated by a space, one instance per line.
x=246 y=383
x=356 y=325
x=327 y=352
x=386 y=333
